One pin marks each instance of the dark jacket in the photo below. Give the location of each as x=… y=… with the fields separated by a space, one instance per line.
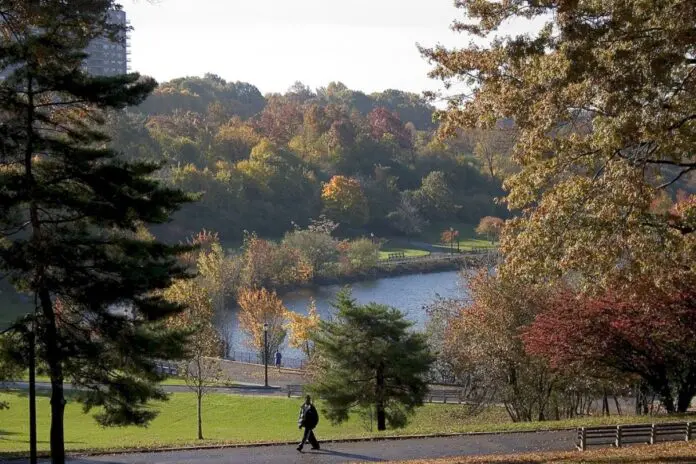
x=309 y=416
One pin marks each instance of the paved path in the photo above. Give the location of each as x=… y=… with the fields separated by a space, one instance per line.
x=241 y=390
x=365 y=451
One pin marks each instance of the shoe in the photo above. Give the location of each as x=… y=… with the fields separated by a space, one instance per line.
x=299 y=448
x=316 y=447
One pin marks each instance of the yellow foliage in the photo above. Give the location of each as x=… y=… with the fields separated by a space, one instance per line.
x=301 y=327
x=259 y=307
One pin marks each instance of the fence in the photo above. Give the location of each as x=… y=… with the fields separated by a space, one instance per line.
x=631 y=434
x=167 y=368
x=256 y=358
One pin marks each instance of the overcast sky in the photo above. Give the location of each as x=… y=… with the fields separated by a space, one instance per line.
x=367 y=44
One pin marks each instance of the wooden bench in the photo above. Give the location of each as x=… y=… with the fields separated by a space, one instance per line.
x=631 y=434
x=170 y=369
x=399 y=255
x=444 y=396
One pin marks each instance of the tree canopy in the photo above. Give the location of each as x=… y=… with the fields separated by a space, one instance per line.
x=262 y=163
x=602 y=99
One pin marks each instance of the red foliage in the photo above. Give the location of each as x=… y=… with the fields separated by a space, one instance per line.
x=646 y=331
x=383 y=122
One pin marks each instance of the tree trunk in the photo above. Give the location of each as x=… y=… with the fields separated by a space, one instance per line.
x=667 y=399
x=200 y=418
x=379 y=405
x=381 y=416
x=55 y=368
x=605 y=403
x=684 y=397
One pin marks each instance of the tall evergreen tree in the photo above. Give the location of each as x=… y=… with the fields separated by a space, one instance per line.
x=368 y=358
x=70 y=212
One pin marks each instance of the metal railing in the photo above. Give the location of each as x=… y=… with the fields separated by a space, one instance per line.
x=256 y=358
x=637 y=433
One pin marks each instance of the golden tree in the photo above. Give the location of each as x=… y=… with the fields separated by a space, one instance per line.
x=345 y=201
x=302 y=327
x=259 y=307
x=200 y=369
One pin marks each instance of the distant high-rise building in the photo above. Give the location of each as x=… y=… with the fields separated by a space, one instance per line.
x=106 y=57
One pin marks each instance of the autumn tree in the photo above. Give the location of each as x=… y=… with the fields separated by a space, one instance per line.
x=69 y=207
x=450 y=236
x=484 y=340
x=259 y=307
x=490 y=227
x=301 y=329
x=345 y=201
x=385 y=123
x=602 y=97
x=359 y=255
x=369 y=358
x=201 y=368
x=648 y=332
x=315 y=244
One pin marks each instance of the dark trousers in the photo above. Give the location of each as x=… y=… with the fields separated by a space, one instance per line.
x=309 y=437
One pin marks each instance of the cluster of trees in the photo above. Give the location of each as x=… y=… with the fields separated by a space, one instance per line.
x=595 y=291
x=370 y=162
x=550 y=352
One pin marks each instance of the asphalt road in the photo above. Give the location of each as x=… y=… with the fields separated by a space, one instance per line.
x=364 y=451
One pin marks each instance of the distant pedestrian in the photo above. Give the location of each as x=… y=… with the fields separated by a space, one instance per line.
x=309 y=418
x=278 y=359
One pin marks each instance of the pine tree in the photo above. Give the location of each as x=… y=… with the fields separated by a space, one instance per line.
x=70 y=212
x=367 y=357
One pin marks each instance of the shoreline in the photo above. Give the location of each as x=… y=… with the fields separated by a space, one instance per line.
x=386 y=269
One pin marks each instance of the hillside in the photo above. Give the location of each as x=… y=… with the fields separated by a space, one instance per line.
x=261 y=163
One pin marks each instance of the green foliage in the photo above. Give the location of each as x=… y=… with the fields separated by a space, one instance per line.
x=70 y=210
x=368 y=358
x=260 y=163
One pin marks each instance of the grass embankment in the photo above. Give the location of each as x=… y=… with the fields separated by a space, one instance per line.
x=401 y=248
x=653 y=454
x=239 y=419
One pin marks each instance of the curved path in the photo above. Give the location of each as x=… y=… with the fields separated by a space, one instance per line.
x=363 y=451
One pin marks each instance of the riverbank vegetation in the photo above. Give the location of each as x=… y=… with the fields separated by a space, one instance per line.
x=175 y=425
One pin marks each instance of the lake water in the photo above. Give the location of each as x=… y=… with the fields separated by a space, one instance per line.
x=410 y=294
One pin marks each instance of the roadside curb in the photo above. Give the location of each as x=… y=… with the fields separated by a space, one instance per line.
x=292 y=443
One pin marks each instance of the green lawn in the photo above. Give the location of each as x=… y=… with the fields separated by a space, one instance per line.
x=467 y=236
x=168 y=381
x=408 y=252
x=238 y=419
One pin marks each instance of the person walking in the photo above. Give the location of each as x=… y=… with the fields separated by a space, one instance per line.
x=278 y=359
x=309 y=418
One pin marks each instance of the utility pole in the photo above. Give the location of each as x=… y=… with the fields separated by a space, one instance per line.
x=265 y=354
x=33 y=458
